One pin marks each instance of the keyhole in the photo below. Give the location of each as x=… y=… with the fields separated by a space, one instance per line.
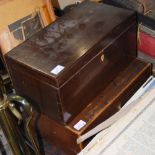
x=102 y=57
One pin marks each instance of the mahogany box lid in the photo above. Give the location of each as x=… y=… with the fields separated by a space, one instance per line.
x=61 y=49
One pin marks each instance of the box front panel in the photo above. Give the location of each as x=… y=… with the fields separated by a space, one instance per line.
x=94 y=76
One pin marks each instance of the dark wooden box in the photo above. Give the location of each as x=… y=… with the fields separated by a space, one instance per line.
x=63 y=67
x=106 y=103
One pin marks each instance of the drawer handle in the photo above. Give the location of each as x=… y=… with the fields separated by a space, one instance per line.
x=102 y=57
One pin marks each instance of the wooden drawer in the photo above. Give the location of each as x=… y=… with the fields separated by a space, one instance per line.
x=99 y=109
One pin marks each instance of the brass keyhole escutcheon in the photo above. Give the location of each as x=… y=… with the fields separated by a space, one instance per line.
x=102 y=57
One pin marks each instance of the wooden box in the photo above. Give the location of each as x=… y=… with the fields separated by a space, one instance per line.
x=63 y=67
x=107 y=102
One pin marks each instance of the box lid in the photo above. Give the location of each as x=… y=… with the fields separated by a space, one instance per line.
x=57 y=52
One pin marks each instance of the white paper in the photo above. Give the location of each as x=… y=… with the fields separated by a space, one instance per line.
x=79 y=125
x=56 y=70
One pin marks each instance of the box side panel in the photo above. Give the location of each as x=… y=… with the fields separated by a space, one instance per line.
x=43 y=96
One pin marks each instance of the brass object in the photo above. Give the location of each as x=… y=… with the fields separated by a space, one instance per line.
x=10 y=118
x=29 y=115
x=11 y=130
